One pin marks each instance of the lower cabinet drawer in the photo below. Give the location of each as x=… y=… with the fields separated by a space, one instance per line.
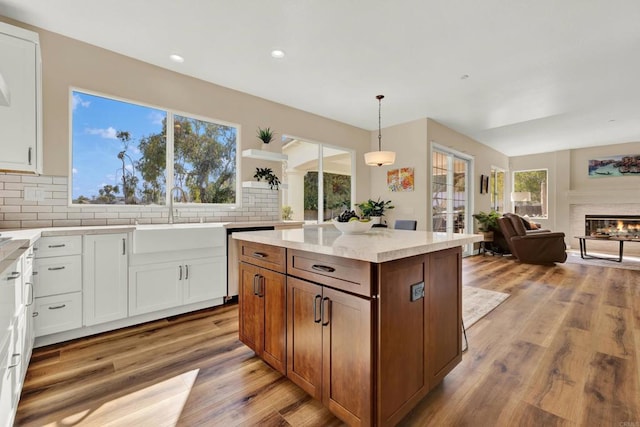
x=57 y=275
x=58 y=313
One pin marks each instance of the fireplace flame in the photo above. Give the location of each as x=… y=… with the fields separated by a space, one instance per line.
x=620 y=226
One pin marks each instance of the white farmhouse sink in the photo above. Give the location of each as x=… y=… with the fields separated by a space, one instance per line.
x=177 y=237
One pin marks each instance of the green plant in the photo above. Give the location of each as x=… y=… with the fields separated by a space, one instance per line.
x=268 y=175
x=487 y=221
x=265 y=135
x=374 y=207
x=287 y=213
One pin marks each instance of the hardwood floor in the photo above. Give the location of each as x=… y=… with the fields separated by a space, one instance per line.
x=564 y=349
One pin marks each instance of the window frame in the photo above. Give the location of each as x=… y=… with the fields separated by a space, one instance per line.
x=546 y=202
x=493 y=188
x=169 y=169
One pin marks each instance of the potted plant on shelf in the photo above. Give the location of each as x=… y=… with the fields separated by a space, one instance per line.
x=487 y=223
x=268 y=175
x=265 y=135
x=374 y=209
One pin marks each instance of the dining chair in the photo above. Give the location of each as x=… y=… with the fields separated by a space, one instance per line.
x=405 y=224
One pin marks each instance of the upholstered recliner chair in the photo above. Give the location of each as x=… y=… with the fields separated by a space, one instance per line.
x=535 y=248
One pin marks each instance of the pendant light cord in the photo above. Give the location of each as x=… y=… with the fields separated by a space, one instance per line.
x=379 y=98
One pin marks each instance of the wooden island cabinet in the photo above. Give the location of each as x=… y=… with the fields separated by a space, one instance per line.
x=369 y=332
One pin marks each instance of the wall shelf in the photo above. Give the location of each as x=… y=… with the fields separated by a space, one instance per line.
x=264 y=155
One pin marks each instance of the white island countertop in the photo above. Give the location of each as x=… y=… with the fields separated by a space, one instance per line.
x=377 y=245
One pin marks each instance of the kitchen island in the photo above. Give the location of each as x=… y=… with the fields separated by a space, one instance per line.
x=368 y=324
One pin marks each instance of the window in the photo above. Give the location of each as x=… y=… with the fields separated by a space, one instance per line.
x=496 y=188
x=122 y=154
x=529 y=194
x=319 y=180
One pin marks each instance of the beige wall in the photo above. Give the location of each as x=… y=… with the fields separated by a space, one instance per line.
x=409 y=141
x=412 y=143
x=72 y=63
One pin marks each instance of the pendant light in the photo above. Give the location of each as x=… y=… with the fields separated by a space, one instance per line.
x=379 y=158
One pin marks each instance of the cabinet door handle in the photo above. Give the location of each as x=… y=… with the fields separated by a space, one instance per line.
x=180 y=275
x=61 y=245
x=255 y=284
x=35 y=314
x=326 y=302
x=260 y=285
x=259 y=255
x=14 y=275
x=317 y=298
x=30 y=293
x=186 y=272
x=29 y=155
x=124 y=247
x=323 y=268
x=55 y=268
x=57 y=307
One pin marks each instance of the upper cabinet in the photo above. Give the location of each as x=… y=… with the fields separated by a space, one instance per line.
x=20 y=100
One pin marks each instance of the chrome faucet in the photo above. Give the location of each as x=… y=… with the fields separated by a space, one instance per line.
x=183 y=199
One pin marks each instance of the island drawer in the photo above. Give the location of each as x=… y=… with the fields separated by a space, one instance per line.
x=341 y=273
x=266 y=256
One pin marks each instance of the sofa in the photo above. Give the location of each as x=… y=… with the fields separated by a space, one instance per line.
x=532 y=246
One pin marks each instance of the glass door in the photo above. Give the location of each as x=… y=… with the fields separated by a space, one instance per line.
x=450 y=193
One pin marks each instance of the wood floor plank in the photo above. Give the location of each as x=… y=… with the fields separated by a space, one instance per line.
x=562 y=350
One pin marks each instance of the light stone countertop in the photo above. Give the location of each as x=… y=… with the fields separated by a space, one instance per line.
x=377 y=245
x=23 y=238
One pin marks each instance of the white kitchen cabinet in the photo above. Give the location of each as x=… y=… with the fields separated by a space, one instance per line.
x=154 y=287
x=104 y=278
x=58 y=313
x=57 y=284
x=16 y=340
x=205 y=279
x=159 y=286
x=21 y=106
x=57 y=275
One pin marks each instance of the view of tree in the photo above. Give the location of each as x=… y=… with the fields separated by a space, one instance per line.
x=531 y=181
x=204 y=165
x=337 y=194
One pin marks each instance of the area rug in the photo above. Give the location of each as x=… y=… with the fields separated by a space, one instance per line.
x=477 y=303
x=628 y=262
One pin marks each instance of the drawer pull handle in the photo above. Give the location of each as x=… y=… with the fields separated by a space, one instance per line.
x=56 y=268
x=35 y=314
x=259 y=255
x=62 y=245
x=180 y=269
x=14 y=275
x=323 y=268
x=14 y=355
x=317 y=319
x=57 y=307
x=29 y=155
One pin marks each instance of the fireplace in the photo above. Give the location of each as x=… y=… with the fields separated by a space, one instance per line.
x=627 y=226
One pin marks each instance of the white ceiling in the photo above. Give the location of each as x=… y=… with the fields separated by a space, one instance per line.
x=543 y=74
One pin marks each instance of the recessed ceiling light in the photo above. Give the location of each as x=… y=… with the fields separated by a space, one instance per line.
x=464 y=77
x=176 y=58
x=277 y=53
x=612 y=120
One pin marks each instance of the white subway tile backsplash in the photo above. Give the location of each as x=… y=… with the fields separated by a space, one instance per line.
x=42 y=179
x=15 y=212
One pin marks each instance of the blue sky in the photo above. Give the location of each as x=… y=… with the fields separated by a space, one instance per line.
x=95 y=122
